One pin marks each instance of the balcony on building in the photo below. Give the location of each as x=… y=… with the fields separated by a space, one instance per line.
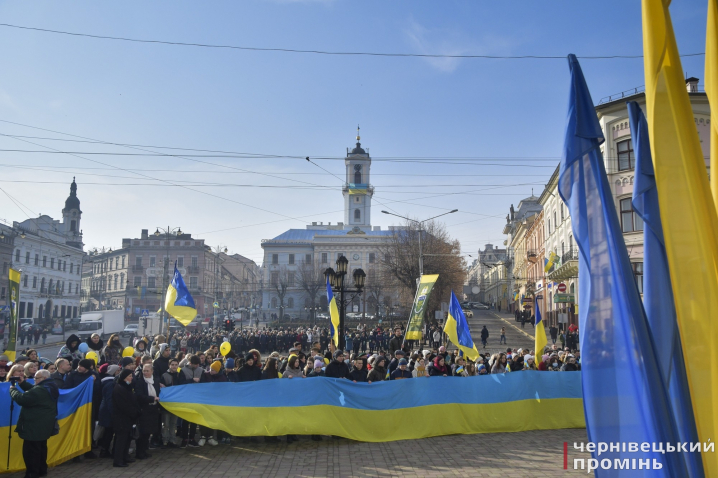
x=567 y=268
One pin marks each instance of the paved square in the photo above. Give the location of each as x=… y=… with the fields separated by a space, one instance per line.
x=525 y=454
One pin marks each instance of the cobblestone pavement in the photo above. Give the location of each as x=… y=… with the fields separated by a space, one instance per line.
x=525 y=454
x=516 y=337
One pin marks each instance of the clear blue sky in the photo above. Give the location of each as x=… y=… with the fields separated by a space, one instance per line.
x=303 y=105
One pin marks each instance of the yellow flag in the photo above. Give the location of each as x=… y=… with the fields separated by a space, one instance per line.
x=690 y=225
x=712 y=88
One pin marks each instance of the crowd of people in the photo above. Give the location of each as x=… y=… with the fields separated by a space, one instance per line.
x=127 y=382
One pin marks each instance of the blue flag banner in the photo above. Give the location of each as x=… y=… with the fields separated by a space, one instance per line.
x=74 y=409
x=179 y=302
x=624 y=395
x=657 y=290
x=383 y=411
x=457 y=329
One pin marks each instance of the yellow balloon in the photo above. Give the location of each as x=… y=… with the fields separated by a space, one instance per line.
x=128 y=352
x=92 y=355
x=225 y=348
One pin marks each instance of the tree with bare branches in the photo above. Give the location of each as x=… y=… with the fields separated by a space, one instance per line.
x=311 y=280
x=279 y=282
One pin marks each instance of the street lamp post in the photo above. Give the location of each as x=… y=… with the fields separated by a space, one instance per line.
x=420 y=223
x=338 y=284
x=165 y=326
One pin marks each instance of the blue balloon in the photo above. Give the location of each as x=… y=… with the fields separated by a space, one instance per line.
x=84 y=347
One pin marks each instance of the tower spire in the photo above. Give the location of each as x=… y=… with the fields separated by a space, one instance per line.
x=358 y=137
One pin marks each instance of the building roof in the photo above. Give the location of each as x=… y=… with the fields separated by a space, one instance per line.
x=72 y=202
x=308 y=234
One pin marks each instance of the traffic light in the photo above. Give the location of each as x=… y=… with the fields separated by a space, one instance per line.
x=144 y=322
x=228 y=325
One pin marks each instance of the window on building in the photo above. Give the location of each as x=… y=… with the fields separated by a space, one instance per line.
x=563 y=216
x=44 y=261
x=138 y=261
x=325 y=257
x=116 y=279
x=42 y=285
x=307 y=258
x=194 y=261
x=357 y=214
x=153 y=261
x=29 y=309
x=37 y=259
x=21 y=313
x=52 y=263
x=151 y=282
x=24 y=280
x=638 y=275
x=77 y=288
x=549 y=227
x=64 y=266
x=290 y=302
x=291 y=258
x=275 y=258
x=555 y=222
x=17 y=255
x=357 y=177
x=274 y=302
x=290 y=279
x=274 y=278
x=180 y=261
x=72 y=268
x=563 y=250
x=193 y=283
x=27 y=257
x=626 y=160
x=630 y=221
x=372 y=258
x=34 y=282
x=340 y=254
x=73 y=225
x=137 y=281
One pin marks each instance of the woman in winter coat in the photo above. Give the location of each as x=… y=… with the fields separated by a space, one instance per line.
x=112 y=353
x=293 y=369
x=96 y=344
x=125 y=413
x=270 y=369
x=141 y=348
x=107 y=385
x=529 y=363
x=147 y=391
x=500 y=363
x=71 y=349
x=378 y=370
x=440 y=369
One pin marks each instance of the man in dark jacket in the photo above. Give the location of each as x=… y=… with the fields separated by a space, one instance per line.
x=82 y=373
x=162 y=363
x=36 y=423
x=484 y=335
x=248 y=372
x=397 y=341
x=63 y=367
x=337 y=368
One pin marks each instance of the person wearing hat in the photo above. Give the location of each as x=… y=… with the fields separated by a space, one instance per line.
x=337 y=368
x=398 y=355
x=71 y=349
x=36 y=423
x=107 y=385
x=401 y=371
x=229 y=370
x=125 y=412
x=529 y=363
x=249 y=372
x=483 y=370
x=317 y=370
x=378 y=370
x=85 y=370
x=162 y=362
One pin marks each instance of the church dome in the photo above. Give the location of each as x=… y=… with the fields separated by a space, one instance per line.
x=72 y=202
x=358 y=149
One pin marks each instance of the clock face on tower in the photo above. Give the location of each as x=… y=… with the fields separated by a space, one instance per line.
x=355 y=257
x=357 y=167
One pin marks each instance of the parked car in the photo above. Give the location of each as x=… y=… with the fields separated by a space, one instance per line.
x=130 y=330
x=482 y=307
x=467 y=313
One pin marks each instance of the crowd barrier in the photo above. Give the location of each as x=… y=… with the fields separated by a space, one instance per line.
x=74 y=409
x=384 y=411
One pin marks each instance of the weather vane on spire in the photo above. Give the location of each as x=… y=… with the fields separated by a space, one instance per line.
x=358 y=137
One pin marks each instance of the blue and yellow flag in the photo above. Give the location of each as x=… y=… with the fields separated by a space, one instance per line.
x=74 y=412
x=712 y=88
x=549 y=262
x=334 y=314
x=179 y=303
x=540 y=337
x=383 y=411
x=457 y=328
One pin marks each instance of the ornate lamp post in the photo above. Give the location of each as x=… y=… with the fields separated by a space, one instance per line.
x=337 y=280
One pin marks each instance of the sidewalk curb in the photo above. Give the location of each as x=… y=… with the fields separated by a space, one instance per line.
x=512 y=325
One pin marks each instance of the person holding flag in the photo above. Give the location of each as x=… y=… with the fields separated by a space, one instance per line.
x=540 y=334
x=334 y=313
x=179 y=302
x=457 y=329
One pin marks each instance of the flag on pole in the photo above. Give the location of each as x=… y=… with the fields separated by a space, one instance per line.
x=179 y=303
x=457 y=329
x=14 y=303
x=550 y=261
x=624 y=397
x=688 y=214
x=712 y=88
x=657 y=290
x=540 y=337
x=334 y=314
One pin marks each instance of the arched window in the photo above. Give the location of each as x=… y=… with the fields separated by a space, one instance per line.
x=73 y=225
x=290 y=302
x=274 y=302
x=357 y=214
x=357 y=177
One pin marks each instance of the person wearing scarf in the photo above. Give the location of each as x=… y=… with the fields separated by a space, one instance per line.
x=440 y=369
x=147 y=392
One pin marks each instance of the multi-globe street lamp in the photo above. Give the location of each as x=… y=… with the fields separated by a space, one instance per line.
x=337 y=281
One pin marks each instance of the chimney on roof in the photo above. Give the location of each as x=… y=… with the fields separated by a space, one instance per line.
x=145 y=234
x=692 y=84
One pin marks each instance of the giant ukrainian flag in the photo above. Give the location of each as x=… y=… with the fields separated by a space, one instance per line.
x=179 y=303
x=383 y=411
x=334 y=314
x=457 y=328
x=74 y=412
x=712 y=88
x=688 y=214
